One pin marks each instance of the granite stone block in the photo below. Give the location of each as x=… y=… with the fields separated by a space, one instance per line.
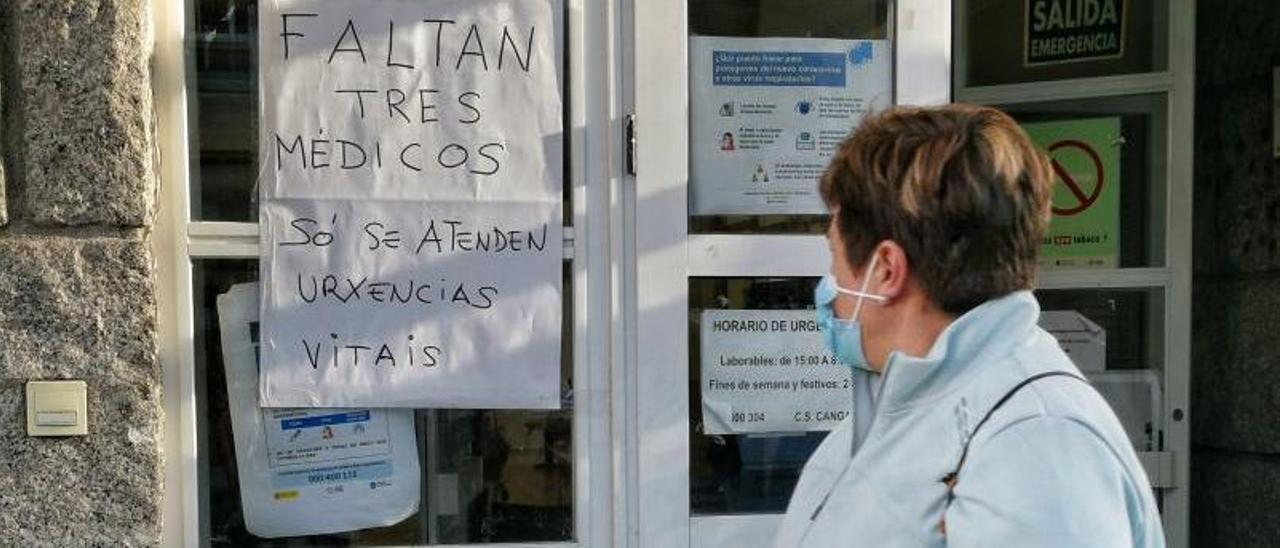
x=82 y=73
x=103 y=489
x=80 y=309
x=1234 y=498
x=1235 y=389
x=72 y=308
x=1237 y=177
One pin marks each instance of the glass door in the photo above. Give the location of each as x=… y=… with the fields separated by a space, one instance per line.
x=739 y=105
x=1109 y=99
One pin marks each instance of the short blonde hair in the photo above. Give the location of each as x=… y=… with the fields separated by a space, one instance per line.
x=961 y=188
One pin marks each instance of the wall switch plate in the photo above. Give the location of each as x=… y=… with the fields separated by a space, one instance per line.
x=57 y=408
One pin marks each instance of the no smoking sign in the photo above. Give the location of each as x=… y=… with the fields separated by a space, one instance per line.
x=1084 y=191
x=1085 y=228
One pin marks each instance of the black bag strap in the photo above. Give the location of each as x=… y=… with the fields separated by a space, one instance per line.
x=950 y=479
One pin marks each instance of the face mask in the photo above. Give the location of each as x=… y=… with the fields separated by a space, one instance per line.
x=844 y=337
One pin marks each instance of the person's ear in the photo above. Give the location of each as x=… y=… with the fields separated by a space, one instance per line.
x=890 y=278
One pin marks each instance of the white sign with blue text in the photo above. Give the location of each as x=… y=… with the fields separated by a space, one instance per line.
x=411 y=184
x=768 y=113
x=311 y=471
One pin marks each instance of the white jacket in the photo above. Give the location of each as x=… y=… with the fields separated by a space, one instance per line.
x=1052 y=466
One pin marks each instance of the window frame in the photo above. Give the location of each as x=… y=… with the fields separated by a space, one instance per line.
x=592 y=246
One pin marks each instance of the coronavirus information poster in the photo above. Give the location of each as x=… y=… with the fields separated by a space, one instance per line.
x=768 y=113
x=411 y=187
x=769 y=371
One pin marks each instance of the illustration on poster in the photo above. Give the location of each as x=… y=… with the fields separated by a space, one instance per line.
x=804 y=141
x=861 y=54
x=760 y=175
x=1072 y=181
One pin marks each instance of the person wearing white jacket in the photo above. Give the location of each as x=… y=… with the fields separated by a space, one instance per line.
x=971 y=427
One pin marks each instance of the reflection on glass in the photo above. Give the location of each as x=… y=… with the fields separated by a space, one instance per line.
x=1128 y=373
x=488 y=475
x=222 y=48
x=777 y=123
x=1014 y=41
x=1132 y=320
x=850 y=19
x=745 y=472
x=1141 y=178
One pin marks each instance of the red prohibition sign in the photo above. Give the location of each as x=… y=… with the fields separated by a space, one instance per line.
x=1084 y=200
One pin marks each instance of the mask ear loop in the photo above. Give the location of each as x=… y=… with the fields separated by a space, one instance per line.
x=862 y=294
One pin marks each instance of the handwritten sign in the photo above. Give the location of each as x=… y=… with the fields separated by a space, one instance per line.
x=411 y=203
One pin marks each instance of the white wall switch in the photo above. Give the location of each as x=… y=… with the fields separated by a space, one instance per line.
x=57 y=408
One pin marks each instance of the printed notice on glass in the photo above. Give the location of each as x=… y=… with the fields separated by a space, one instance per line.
x=768 y=113
x=411 y=187
x=769 y=371
x=1084 y=231
x=1069 y=31
x=311 y=471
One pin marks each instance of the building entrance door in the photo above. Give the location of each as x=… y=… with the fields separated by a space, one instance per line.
x=738 y=107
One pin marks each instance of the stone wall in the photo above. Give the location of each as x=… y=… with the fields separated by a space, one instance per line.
x=1235 y=486
x=77 y=287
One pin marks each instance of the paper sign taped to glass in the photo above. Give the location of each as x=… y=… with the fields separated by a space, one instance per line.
x=769 y=371
x=311 y=471
x=411 y=217
x=768 y=113
x=1085 y=228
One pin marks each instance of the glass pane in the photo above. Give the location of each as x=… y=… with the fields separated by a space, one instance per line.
x=487 y=475
x=747 y=453
x=1116 y=337
x=1012 y=41
x=774 y=86
x=223 y=113
x=1113 y=151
